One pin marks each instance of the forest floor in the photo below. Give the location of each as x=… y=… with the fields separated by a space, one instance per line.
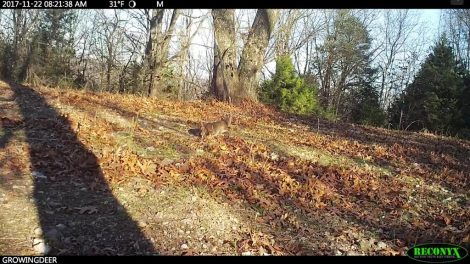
x=99 y=173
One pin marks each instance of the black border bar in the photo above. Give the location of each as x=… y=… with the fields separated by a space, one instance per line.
x=216 y=259
x=136 y=4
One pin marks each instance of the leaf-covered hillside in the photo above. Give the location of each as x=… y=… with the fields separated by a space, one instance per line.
x=100 y=173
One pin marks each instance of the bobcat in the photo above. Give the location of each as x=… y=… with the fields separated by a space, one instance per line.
x=216 y=128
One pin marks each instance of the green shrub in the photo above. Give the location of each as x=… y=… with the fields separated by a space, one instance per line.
x=299 y=100
x=288 y=91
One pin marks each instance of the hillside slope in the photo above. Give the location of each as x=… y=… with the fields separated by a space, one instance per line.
x=102 y=173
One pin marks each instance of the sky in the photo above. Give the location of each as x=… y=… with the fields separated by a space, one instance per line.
x=432 y=17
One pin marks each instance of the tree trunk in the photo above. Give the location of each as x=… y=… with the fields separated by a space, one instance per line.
x=217 y=82
x=252 y=58
x=327 y=92
x=157 y=50
x=225 y=75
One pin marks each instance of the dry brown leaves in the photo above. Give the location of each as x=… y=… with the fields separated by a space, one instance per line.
x=246 y=171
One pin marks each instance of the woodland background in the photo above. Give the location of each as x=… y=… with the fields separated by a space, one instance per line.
x=375 y=67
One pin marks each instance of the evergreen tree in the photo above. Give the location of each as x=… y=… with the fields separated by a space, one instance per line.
x=463 y=126
x=289 y=91
x=431 y=101
x=366 y=109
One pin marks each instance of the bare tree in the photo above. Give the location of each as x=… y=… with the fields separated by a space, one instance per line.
x=189 y=80
x=19 y=30
x=240 y=82
x=341 y=57
x=457 y=28
x=157 y=50
x=396 y=31
x=284 y=33
x=111 y=38
x=305 y=38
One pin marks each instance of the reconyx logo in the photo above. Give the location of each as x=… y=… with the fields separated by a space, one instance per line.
x=437 y=253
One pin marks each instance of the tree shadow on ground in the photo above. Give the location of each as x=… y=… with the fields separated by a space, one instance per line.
x=78 y=212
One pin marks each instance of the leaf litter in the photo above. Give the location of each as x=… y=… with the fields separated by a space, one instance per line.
x=242 y=193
